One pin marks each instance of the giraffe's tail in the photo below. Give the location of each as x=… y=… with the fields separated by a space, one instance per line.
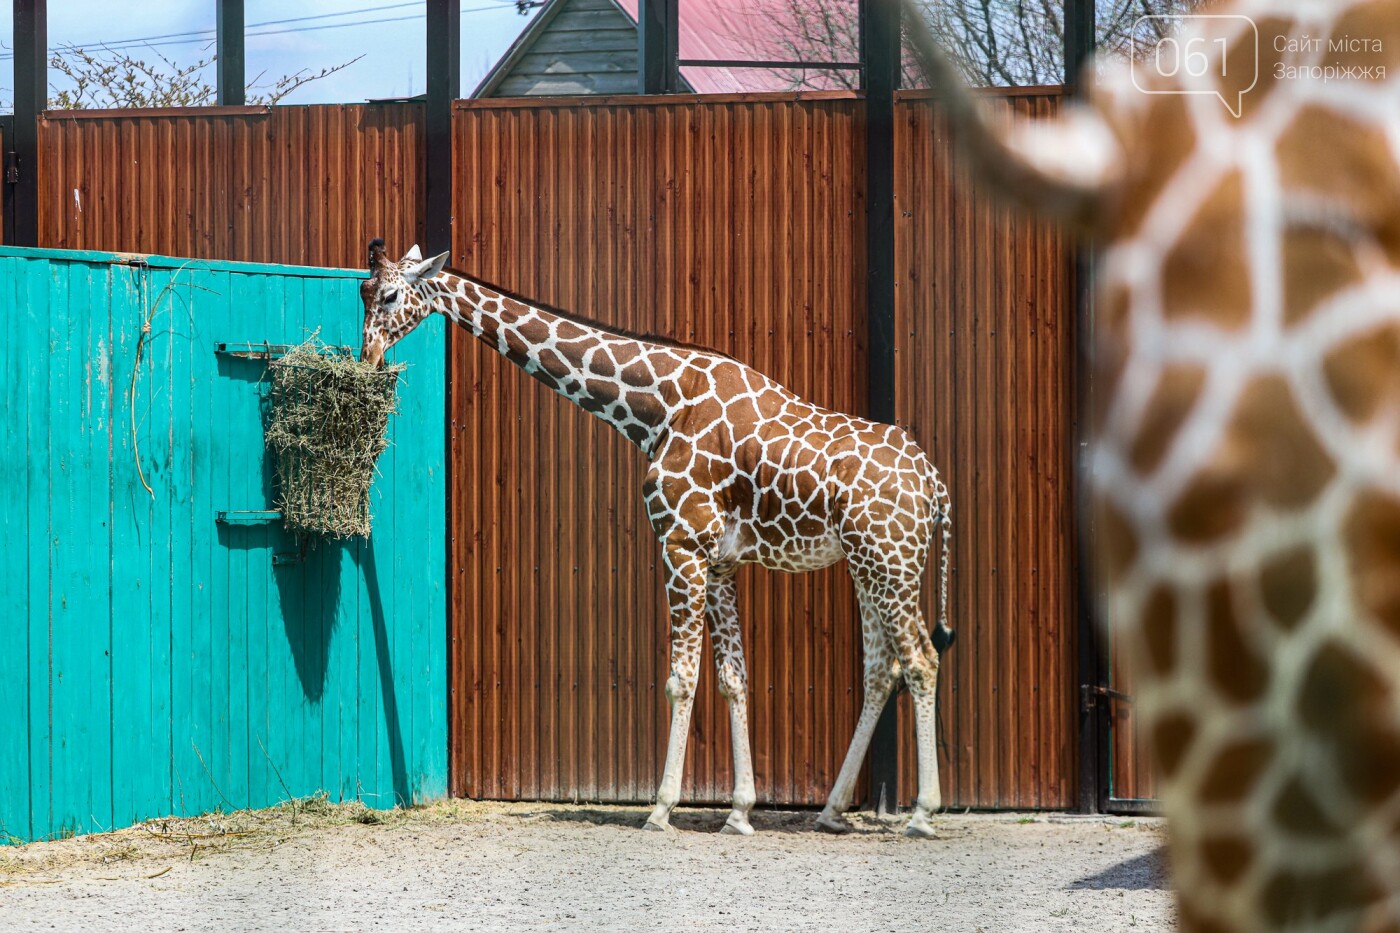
x=943 y=636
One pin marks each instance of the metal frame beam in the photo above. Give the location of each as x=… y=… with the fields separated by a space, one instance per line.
x=444 y=73
x=31 y=99
x=658 y=47
x=1094 y=710
x=444 y=85
x=229 y=62
x=879 y=52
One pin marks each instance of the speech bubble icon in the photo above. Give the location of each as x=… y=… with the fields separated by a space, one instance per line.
x=1192 y=54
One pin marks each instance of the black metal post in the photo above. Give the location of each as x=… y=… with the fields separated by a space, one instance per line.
x=879 y=49
x=31 y=99
x=7 y=201
x=444 y=74
x=658 y=47
x=231 y=78
x=444 y=86
x=1094 y=709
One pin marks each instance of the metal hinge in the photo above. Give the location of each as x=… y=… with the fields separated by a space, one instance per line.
x=11 y=168
x=1090 y=693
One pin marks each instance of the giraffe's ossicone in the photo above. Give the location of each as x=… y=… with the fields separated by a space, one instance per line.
x=740 y=471
x=1246 y=458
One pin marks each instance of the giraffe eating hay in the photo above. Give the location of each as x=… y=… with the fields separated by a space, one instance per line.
x=741 y=471
x=1246 y=467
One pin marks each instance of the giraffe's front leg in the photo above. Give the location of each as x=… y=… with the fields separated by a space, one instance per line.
x=685 y=592
x=722 y=611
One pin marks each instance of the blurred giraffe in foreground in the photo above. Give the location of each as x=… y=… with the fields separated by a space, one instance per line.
x=1246 y=460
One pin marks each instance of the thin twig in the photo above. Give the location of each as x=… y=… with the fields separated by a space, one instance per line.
x=212 y=782
x=285 y=789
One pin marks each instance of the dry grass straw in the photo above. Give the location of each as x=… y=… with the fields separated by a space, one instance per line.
x=327 y=428
x=171 y=840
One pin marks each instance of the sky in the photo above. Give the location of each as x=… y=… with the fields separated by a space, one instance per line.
x=389 y=34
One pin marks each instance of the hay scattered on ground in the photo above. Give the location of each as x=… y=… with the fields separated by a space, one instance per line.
x=168 y=839
x=328 y=426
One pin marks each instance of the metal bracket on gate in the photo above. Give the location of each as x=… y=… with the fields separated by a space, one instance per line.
x=266 y=351
x=252 y=351
x=260 y=517
x=1090 y=694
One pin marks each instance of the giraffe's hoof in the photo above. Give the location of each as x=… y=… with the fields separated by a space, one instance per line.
x=737 y=825
x=919 y=827
x=833 y=823
x=654 y=826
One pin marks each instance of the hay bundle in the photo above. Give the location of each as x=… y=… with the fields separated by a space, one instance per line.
x=326 y=429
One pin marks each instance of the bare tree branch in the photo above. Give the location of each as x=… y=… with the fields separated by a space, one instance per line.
x=994 y=42
x=104 y=78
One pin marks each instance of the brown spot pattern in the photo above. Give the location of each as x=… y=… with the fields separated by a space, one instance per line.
x=1176 y=393
x=1364 y=372
x=1288 y=586
x=1235 y=666
x=1205 y=275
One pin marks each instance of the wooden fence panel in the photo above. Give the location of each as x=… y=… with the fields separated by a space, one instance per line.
x=739 y=224
x=985 y=355
x=292 y=185
x=734 y=224
x=166 y=664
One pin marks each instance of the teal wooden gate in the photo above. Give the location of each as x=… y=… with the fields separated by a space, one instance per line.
x=155 y=659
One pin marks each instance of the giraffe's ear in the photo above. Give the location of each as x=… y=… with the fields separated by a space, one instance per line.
x=413 y=255
x=425 y=269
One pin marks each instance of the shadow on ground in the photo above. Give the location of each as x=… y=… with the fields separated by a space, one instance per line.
x=710 y=821
x=1145 y=873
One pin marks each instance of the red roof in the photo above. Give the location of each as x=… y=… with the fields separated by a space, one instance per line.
x=757 y=30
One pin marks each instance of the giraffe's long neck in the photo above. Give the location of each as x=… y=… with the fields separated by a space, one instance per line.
x=626 y=382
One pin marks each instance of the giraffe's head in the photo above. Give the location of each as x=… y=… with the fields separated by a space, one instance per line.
x=394 y=298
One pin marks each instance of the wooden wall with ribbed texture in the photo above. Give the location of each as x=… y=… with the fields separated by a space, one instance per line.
x=290 y=185
x=985 y=338
x=738 y=223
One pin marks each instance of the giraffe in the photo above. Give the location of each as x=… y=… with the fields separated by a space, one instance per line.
x=1245 y=467
x=740 y=471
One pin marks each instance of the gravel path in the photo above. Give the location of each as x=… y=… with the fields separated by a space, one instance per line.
x=470 y=866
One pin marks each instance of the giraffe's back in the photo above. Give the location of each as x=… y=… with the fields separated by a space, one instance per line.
x=791 y=485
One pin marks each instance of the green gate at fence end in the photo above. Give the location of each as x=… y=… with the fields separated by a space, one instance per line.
x=167 y=648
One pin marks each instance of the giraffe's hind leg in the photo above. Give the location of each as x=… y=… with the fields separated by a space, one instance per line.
x=905 y=626
x=722 y=612
x=881 y=673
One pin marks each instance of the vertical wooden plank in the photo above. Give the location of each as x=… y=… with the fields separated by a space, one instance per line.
x=34 y=296
x=17 y=555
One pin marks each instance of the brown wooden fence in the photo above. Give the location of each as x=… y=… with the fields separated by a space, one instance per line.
x=736 y=222
x=293 y=185
x=985 y=350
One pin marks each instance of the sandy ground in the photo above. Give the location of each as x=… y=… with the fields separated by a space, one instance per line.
x=471 y=866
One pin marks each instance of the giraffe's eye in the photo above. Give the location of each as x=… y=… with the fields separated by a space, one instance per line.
x=391 y=296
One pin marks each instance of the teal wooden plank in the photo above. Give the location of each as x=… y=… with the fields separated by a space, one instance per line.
x=181 y=307
x=95 y=485
x=33 y=304
x=257 y=294
x=15 y=557
x=248 y=568
x=166 y=665
x=140 y=649
x=191 y=788
x=405 y=502
x=81 y=626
